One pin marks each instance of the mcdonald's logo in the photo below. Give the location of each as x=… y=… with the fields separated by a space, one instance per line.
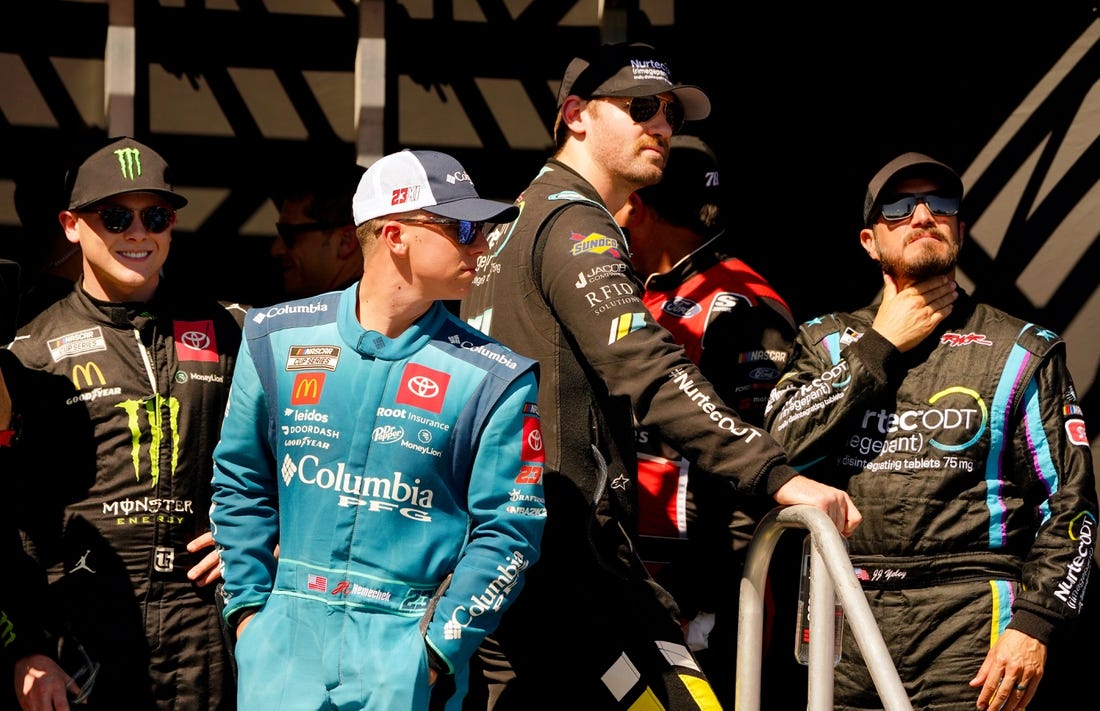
x=307 y=389
x=85 y=372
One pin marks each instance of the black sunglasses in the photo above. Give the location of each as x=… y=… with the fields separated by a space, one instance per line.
x=467 y=231
x=289 y=231
x=903 y=206
x=643 y=108
x=117 y=219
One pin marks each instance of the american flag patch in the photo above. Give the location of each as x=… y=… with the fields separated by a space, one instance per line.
x=317 y=582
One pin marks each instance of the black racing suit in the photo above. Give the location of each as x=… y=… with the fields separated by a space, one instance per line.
x=968 y=459
x=21 y=630
x=557 y=285
x=117 y=498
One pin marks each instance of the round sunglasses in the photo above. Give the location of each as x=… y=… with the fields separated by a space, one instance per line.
x=643 y=108
x=117 y=219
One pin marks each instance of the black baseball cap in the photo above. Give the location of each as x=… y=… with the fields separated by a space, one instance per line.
x=906 y=166
x=122 y=165
x=690 y=182
x=622 y=69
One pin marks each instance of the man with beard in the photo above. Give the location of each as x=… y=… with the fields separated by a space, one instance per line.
x=956 y=430
x=558 y=286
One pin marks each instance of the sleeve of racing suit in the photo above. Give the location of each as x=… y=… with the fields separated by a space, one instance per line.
x=243 y=510
x=824 y=384
x=1051 y=452
x=507 y=514
x=638 y=359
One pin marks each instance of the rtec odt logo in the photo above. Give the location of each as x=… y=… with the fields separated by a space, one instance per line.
x=129 y=162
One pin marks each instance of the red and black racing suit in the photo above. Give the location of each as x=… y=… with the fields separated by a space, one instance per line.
x=739 y=330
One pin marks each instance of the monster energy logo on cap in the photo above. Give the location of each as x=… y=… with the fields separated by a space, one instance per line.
x=120 y=165
x=129 y=159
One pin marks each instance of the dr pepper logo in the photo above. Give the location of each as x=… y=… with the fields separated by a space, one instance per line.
x=423 y=387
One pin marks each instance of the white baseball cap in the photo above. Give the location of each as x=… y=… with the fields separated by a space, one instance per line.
x=424 y=180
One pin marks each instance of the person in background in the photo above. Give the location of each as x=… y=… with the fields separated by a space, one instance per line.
x=316 y=248
x=22 y=635
x=955 y=428
x=739 y=331
x=394 y=455
x=557 y=285
x=50 y=262
x=119 y=516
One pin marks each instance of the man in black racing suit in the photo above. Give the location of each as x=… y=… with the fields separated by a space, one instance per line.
x=956 y=429
x=118 y=512
x=591 y=627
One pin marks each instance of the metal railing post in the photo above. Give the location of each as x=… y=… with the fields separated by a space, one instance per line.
x=829 y=554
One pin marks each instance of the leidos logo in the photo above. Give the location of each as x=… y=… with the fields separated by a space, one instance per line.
x=129 y=161
x=83 y=373
x=307 y=389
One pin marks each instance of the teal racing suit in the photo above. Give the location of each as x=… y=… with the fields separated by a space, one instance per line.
x=402 y=481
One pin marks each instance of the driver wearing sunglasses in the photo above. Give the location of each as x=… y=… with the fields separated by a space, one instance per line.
x=121 y=212
x=148 y=361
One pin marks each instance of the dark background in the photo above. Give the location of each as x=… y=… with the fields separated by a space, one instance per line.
x=809 y=99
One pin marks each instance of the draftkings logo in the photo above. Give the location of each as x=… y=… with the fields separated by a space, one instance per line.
x=129 y=162
x=147 y=415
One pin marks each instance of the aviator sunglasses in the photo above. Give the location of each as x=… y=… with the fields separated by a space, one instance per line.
x=643 y=108
x=467 y=231
x=903 y=206
x=117 y=219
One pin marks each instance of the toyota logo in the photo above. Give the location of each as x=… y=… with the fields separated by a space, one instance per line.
x=195 y=340
x=534 y=440
x=422 y=386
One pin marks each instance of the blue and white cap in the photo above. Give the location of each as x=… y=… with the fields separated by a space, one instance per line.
x=431 y=181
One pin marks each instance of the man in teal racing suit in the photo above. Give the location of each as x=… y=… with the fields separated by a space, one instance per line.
x=392 y=453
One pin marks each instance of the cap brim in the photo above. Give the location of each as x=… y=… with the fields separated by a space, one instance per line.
x=174 y=199
x=475 y=210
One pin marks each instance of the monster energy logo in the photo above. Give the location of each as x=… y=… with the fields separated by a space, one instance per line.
x=129 y=160
x=153 y=408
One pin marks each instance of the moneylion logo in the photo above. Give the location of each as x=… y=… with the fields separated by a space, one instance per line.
x=153 y=420
x=86 y=371
x=129 y=161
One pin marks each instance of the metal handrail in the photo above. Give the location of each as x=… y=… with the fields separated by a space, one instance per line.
x=828 y=554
